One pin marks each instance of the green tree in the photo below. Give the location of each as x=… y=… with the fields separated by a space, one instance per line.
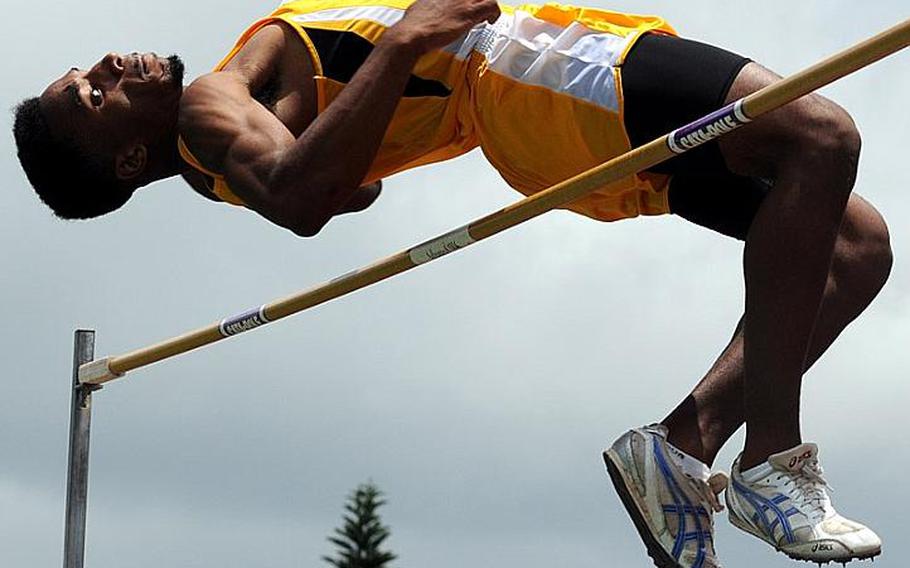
x=360 y=539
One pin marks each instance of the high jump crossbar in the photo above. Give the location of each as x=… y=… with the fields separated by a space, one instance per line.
x=659 y=150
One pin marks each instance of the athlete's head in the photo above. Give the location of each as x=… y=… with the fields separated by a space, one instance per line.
x=94 y=136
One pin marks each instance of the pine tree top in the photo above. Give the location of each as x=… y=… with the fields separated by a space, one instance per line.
x=359 y=540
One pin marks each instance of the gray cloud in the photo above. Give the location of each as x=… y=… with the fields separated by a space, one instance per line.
x=478 y=392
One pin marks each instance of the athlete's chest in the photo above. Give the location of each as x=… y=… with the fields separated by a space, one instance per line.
x=282 y=76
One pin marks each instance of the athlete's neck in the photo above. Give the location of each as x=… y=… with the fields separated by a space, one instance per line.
x=165 y=160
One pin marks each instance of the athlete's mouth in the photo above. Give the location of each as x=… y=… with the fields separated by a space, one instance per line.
x=144 y=66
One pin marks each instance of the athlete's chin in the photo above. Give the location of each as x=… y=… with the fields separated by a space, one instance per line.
x=174 y=71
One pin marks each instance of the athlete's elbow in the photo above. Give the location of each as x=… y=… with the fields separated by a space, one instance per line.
x=307 y=230
x=303 y=223
x=299 y=218
x=304 y=207
x=309 y=221
x=295 y=212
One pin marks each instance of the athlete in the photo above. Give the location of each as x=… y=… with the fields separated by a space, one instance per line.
x=322 y=99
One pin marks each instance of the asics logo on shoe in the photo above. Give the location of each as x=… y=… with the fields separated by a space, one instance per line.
x=672 y=511
x=796 y=460
x=692 y=526
x=788 y=507
x=769 y=515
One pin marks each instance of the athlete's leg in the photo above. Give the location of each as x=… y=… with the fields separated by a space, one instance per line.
x=705 y=192
x=666 y=83
x=706 y=419
x=811 y=149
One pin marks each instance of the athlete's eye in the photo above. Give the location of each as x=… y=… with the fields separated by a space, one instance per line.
x=96 y=97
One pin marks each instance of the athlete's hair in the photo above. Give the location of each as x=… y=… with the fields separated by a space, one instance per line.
x=74 y=184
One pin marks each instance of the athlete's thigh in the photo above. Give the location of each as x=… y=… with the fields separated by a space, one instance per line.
x=763 y=146
x=723 y=202
x=667 y=83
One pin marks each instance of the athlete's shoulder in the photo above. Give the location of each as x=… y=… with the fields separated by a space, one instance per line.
x=209 y=112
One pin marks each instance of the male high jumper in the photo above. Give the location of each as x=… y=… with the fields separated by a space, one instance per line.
x=322 y=99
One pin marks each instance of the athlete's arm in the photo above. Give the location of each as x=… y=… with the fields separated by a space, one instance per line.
x=300 y=183
x=362 y=198
x=360 y=201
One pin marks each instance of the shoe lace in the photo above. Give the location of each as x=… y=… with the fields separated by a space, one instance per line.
x=710 y=490
x=809 y=488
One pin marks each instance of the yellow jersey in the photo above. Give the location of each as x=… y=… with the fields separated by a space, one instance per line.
x=539 y=91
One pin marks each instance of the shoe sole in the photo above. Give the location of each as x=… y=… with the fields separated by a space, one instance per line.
x=661 y=557
x=843 y=561
x=745 y=528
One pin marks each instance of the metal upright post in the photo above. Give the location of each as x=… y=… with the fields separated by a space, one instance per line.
x=77 y=468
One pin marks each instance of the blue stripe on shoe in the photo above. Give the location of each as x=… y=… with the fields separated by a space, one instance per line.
x=788 y=513
x=761 y=505
x=682 y=505
x=687 y=509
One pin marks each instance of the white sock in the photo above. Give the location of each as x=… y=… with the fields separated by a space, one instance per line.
x=693 y=467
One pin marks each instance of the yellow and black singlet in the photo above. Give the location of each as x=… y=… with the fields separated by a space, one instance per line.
x=539 y=91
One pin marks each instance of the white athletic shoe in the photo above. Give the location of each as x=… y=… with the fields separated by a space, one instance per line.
x=788 y=507
x=672 y=510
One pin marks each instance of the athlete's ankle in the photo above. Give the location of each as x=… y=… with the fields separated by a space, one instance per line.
x=755 y=454
x=689 y=442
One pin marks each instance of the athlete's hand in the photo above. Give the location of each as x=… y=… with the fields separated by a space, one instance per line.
x=433 y=24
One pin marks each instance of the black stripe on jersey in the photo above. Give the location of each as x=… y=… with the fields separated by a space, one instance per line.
x=342 y=54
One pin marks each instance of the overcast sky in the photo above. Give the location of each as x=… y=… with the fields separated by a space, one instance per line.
x=478 y=392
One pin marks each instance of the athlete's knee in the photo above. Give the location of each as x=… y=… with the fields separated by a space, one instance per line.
x=811 y=137
x=863 y=255
x=826 y=139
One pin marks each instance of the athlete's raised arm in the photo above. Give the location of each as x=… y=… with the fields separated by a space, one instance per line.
x=300 y=183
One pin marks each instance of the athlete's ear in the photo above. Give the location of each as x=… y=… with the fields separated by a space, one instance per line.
x=131 y=162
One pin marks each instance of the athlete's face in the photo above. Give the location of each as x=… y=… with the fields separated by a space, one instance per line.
x=119 y=101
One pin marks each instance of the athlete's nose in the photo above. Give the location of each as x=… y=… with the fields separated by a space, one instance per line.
x=113 y=63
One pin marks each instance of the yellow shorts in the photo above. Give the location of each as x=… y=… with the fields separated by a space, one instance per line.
x=548 y=103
